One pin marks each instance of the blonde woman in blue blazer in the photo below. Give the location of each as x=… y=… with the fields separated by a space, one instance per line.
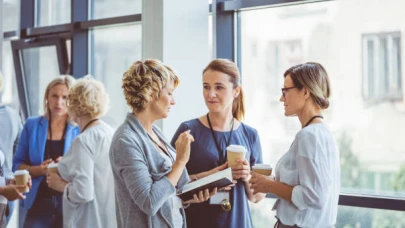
x=45 y=139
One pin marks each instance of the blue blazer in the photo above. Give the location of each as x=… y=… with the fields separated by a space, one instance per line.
x=31 y=150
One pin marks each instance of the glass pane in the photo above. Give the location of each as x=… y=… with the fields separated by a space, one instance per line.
x=363 y=217
x=112 y=8
x=10 y=93
x=40 y=67
x=369 y=134
x=348 y=217
x=111 y=56
x=262 y=215
x=10 y=15
x=51 y=12
x=210 y=47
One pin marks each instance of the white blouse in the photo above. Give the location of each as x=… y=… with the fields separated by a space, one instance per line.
x=312 y=166
x=3 y=200
x=176 y=201
x=88 y=199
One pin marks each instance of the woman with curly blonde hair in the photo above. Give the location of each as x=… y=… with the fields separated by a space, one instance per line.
x=147 y=170
x=85 y=176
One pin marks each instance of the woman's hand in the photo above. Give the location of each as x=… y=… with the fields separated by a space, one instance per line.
x=44 y=166
x=183 y=147
x=11 y=192
x=55 y=182
x=58 y=159
x=260 y=183
x=241 y=170
x=202 y=196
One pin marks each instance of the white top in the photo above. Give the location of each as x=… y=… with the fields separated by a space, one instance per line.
x=3 y=200
x=176 y=201
x=88 y=199
x=312 y=166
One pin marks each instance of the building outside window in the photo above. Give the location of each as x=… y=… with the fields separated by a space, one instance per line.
x=382 y=75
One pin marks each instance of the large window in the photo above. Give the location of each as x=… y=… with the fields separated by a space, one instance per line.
x=114 y=8
x=111 y=57
x=363 y=58
x=10 y=20
x=51 y=12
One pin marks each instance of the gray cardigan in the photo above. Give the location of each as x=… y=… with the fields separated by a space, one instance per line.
x=142 y=190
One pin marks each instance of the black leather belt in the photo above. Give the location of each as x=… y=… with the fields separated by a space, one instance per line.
x=281 y=225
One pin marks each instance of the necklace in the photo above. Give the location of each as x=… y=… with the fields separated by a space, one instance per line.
x=222 y=157
x=88 y=124
x=164 y=149
x=310 y=120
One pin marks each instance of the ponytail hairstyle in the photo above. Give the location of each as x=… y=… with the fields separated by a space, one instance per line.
x=314 y=78
x=229 y=68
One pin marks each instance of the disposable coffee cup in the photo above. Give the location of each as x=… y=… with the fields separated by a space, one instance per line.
x=53 y=168
x=235 y=152
x=263 y=169
x=21 y=178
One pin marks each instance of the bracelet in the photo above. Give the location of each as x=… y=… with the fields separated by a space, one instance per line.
x=185 y=206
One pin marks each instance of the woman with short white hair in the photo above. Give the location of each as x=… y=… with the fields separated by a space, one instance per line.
x=85 y=171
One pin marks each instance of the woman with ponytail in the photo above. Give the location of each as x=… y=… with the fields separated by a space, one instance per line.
x=213 y=132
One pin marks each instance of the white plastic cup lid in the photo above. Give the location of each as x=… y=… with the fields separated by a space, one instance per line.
x=262 y=166
x=53 y=165
x=20 y=172
x=236 y=148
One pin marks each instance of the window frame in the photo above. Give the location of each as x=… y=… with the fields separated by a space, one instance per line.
x=378 y=91
x=77 y=31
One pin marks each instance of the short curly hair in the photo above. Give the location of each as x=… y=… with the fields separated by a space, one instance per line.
x=87 y=97
x=146 y=79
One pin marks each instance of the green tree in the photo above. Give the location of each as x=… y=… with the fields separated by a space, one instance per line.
x=349 y=163
x=399 y=182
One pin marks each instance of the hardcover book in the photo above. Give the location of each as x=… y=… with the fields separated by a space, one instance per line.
x=219 y=179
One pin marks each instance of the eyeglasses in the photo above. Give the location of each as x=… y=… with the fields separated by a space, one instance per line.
x=285 y=90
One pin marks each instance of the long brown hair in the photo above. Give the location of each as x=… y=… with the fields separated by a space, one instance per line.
x=229 y=68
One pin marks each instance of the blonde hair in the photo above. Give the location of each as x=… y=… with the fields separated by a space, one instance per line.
x=229 y=68
x=146 y=79
x=60 y=80
x=87 y=97
x=314 y=78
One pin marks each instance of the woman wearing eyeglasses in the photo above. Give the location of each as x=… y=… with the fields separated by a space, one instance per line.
x=307 y=177
x=214 y=131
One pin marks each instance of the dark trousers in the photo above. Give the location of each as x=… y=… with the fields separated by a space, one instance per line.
x=45 y=213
